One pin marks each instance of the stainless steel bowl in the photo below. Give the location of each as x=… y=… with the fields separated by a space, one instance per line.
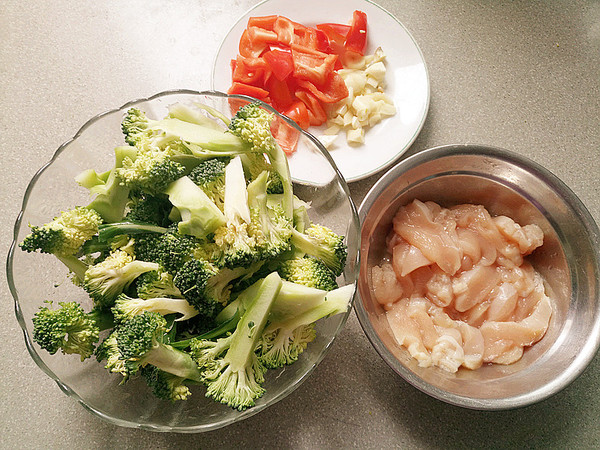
x=511 y=185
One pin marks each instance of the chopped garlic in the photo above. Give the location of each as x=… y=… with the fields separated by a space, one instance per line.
x=366 y=104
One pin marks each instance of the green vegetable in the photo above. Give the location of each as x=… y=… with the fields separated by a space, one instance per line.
x=182 y=251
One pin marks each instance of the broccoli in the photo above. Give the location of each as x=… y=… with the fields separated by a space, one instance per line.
x=126 y=307
x=108 y=231
x=149 y=171
x=65 y=235
x=199 y=215
x=164 y=385
x=272 y=229
x=69 y=328
x=156 y=284
x=206 y=286
x=141 y=341
x=256 y=163
x=238 y=245
x=171 y=249
x=309 y=272
x=147 y=208
x=107 y=279
x=108 y=350
x=253 y=125
x=178 y=136
x=229 y=366
x=292 y=319
x=322 y=243
x=111 y=195
x=209 y=175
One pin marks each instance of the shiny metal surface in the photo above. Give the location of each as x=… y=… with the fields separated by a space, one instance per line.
x=511 y=185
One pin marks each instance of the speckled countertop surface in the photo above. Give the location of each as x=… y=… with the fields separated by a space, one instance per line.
x=523 y=75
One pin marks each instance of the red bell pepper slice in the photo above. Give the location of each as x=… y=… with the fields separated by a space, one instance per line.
x=260 y=35
x=285 y=135
x=250 y=49
x=284 y=28
x=298 y=112
x=305 y=36
x=333 y=90
x=249 y=70
x=264 y=22
x=280 y=94
x=356 y=39
x=280 y=62
x=247 y=89
x=334 y=30
x=312 y=65
x=316 y=113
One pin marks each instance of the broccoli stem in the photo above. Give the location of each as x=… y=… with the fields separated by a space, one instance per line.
x=75 y=265
x=110 y=230
x=171 y=360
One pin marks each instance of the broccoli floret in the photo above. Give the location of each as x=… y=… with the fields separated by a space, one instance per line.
x=156 y=284
x=109 y=350
x=209 y=175
x=171 y=250
x=178 y=136
x=271 y=227
x=235 y=240
x=309 y=272
x=322 y=243
x=229 y=366
x=252 y=124
x=69 y=328
x=141 y=341
x=127 y=307
x=147 y=208
x=65 y=235
x=292 y=319
x=164 y=385
x=256 y=163
x=206 y=286
x=111 y=196
x=107 y=279
x=199 y=214
x=150 y=171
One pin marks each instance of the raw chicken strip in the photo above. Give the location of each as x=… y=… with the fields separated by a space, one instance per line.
x=439 y=243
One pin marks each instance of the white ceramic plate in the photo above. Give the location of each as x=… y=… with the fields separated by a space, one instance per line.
x=406 y=78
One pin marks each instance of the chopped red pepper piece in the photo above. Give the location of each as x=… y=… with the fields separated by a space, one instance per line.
x=280 y=62
x=313 y=66
x=356 y=39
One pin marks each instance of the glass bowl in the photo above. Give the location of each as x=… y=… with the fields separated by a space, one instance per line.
x=506 y=184
x=34 y=278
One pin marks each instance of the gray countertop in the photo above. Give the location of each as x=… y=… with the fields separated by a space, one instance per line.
x=523 y=75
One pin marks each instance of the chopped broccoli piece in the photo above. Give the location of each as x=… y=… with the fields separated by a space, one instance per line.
x=178 y=136
x=150 y=171
x=229 y=366
x=107 y=279
x=126 y=307
x=199 y=215
x=156 y=284
x=112 y=196
x=272 y=228
x=253 y=125
x=69 y=328
x=65 y=235
x=164 y=385
x=209 y=175
x=322 y=243
x=293 y=315
x=140 y=341
x=206 y=286
x=147 y=208
x=309 y=272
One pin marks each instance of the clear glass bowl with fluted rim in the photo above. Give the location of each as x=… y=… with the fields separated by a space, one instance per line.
x=34 y=278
